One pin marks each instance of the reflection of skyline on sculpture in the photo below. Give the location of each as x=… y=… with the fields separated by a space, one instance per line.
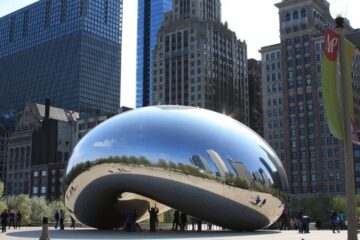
x=163 y=153
x=149 y=137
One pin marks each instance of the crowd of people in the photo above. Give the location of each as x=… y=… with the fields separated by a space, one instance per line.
x=10 y=218
x=179 y=221
x=59 y=218
x=302 y=221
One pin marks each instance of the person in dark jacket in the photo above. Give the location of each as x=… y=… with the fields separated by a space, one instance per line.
x=318 y=224
x=183 y=221
x=72 y=222
x=4 y=217
x=284 y=220
x=11 y=219
x=18 y=219
x=61 y=219
x=334 y=221
x=299 y=220
x=56 y=217
x=153 y=218
x=176 y=220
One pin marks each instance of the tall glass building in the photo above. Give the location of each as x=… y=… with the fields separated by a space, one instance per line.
x=150 y=17
x=68 y=51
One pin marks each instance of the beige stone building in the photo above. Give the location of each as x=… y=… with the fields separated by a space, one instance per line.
x=199 y=61
x=294 y=118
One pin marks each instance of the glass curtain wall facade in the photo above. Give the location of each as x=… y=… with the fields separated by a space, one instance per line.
x=150 y=17
x=68 y=51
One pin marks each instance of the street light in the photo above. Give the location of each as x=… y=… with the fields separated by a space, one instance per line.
x=338 y=10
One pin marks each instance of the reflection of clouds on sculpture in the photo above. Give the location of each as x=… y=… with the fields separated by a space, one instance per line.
x=173 y=144
x=105 y=143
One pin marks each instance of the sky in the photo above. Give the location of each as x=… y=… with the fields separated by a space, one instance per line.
x=255 y=21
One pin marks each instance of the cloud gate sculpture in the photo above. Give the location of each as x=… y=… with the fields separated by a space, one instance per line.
x=199 y=162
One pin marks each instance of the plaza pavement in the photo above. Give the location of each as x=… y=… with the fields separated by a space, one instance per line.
x=35 y=232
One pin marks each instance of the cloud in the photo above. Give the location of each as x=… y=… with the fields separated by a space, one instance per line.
x=105 y=143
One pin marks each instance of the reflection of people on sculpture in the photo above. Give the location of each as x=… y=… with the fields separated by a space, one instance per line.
x=263 y=202
x=257 y=200
x=153 y=218
x=176 y=220
x=182 y=221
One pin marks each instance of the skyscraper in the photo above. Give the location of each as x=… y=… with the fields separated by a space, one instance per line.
x=68 y=51
x=294 y=118
x=255 y=96
x=198 y=61
x=150 y=16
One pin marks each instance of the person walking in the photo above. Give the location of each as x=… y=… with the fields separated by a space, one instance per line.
x=4 y=217
x=183 y=221
x=193 y=223
x=334 y=221
x=72 y=222
x=284 y=220
x=306 y=224
x=299 y=220
x=341 y=219
x=153 y=218
x=176 y=220
x=56 y=217
x=61 y=219
x=199 y=225
x=18 y=219
x=11 y=217
x=318 y=224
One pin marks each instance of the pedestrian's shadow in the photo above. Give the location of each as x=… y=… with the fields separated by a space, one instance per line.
x=97 y=234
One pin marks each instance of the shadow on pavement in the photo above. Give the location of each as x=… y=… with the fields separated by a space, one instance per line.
x=97 y=234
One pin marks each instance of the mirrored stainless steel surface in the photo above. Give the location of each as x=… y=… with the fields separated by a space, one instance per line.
x=200 y=162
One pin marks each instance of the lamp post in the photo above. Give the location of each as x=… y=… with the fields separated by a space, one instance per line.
x=339 y=10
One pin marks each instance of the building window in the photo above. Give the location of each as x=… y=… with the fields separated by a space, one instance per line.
x=43 y=190
x=12 y=29
x=35 y=190
x=313 y=177
x=106 y=10
x=26 y=23
x=83 y=8
x=63 y=9
x=287 y=17
x=303 y=12
x=47 y=13
x=295 y=15
x=43 y=173
x=59 y=156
